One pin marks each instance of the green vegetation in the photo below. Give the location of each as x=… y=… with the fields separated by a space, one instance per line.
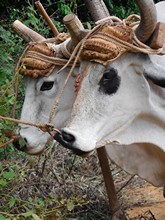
x=49 y=186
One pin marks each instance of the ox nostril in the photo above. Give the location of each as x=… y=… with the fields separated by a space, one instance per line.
x=25 y=140
x=68 y=137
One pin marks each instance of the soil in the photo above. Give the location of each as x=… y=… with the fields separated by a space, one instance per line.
x=141 y=200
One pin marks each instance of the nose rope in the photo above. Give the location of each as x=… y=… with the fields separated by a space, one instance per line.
x=43 y=127
x=12 y=139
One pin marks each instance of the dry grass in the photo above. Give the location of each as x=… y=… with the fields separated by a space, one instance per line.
x=57 y=184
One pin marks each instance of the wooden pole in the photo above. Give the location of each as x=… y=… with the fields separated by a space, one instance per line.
x=46 y=17
x=74 y=27
x=109 y=184
x=99 y=11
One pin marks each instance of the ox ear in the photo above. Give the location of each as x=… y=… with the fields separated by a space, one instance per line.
x=156 y=73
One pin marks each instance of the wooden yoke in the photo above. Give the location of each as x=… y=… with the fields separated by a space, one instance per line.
x=26 y=33
x=158 y=37
x=75 y=29
x=46 y=17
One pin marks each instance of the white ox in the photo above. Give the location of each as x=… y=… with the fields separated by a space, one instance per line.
x=121 y=105
x=128 y=118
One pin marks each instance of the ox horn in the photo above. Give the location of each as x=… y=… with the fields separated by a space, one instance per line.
x=97 y=9
x=148 y=19
x=26 y=33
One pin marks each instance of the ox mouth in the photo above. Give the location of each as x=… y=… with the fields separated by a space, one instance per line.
x=59 y=138
x=28 y=149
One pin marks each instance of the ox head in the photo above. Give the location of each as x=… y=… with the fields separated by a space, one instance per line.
x=119 y=101
x=40 y=94
x=42 y=91
x=42 y=85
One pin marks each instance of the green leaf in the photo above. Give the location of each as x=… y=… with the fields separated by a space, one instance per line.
x=1 y=126
x=28 y=213
x=41 y=202
x=2 y=217
x=12 y=202
x=9 y=175
x=11 y=99
x=3 y=182
x=70 y=205
x=88 y=25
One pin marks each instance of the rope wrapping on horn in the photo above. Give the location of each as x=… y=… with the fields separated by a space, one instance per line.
x=109 y=40
x=40 y=58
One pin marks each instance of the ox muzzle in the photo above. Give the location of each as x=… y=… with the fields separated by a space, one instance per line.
x=67 y=140
x=27 y=149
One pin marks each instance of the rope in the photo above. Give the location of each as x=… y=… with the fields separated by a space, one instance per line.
x=107 y=41
x=43 y=127
x=8 y=142
x=56 y=103
x=15 y=84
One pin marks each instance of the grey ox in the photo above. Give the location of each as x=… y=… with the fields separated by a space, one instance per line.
x=120 y=105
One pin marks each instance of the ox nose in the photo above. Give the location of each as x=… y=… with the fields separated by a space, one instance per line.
x=17 y=145
x=69 y=138
x=65 y=139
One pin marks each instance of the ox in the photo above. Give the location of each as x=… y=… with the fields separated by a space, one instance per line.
x=121 y=105
x=41 y=92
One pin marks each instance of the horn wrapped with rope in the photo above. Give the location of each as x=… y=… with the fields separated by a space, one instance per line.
x=108 y=41
x=38 y=59
x=102 y=48
x=31 y=66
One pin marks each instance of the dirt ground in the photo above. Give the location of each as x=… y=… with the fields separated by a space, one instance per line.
x=141 y=200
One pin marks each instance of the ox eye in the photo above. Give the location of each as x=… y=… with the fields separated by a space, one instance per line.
x=47 y=85
x=109 y=82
